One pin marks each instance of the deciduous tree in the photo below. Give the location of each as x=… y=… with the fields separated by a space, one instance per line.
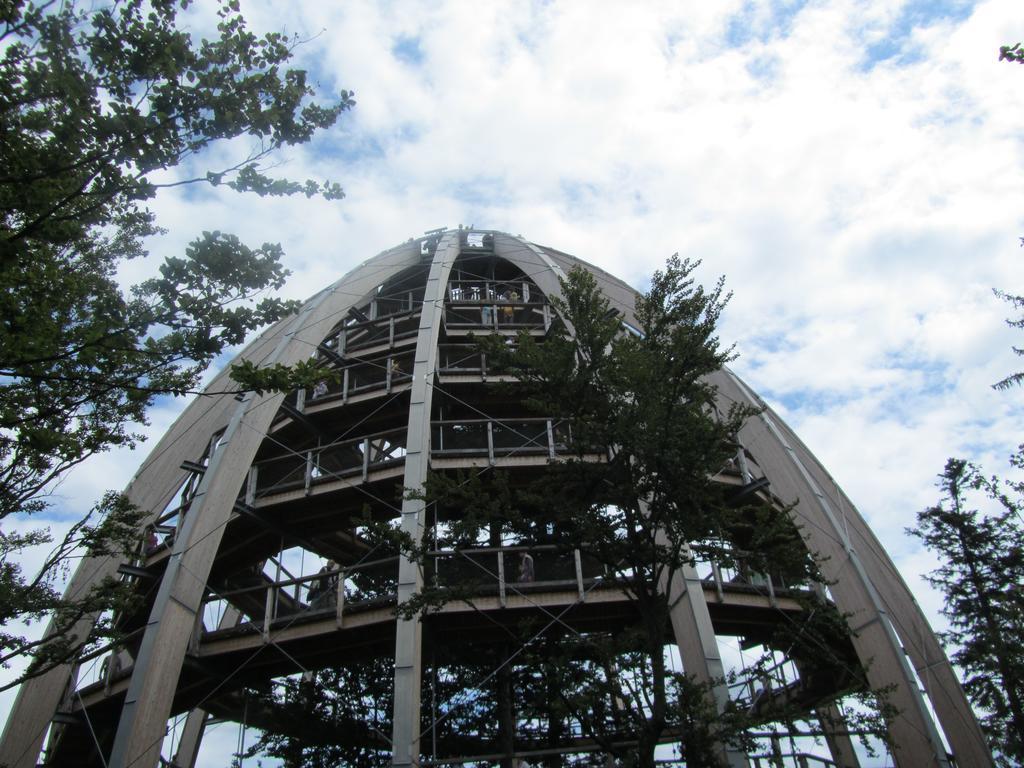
x=101 y=106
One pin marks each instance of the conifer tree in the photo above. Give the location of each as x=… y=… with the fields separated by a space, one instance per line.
x=642 y=398
x=981 y=575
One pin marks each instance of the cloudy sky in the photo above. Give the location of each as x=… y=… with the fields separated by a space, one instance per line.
x=853 y=169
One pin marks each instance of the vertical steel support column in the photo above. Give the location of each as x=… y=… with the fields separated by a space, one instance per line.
x=913 y=731
x=251 y=484
x=191 y=737
x=578 y=562
x=502 y=599
x=409 y=632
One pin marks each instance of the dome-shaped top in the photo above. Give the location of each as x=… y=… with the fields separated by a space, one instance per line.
x=240 y=484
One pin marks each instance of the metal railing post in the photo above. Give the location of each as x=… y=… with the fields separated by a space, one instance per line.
x=579 y=575
x=268 y=612
x=339 y=601
x=490 y=442
x=309 y=471
x=551 y=440
x=717 y=572
x=501 y=578
x=250 y=484
x=366 y=459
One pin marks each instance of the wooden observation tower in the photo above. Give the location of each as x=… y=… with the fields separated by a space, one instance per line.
x=261 y=588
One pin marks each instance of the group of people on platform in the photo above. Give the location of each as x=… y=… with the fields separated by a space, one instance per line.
x=503 y=310
x=489 y=314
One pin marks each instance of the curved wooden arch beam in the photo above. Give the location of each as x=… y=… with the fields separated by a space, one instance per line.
x=620 y=293
x=409 y=632
x=150 y=693
x=532 y=259
x=151 y=488
x=405 y=725
x=875 y=640
x=195 y=724
x=930 y=662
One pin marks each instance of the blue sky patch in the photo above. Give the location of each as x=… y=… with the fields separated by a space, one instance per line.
x=937 y=376
x=808 y=401
x=408 y=50
x=762 y=68
x=473 y=192
x=749 y=25
x=896 y=46
x=579 y=197
x=774 y=343
x=352 y=146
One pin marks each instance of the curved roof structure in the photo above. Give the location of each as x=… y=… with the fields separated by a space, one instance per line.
x=238 y=485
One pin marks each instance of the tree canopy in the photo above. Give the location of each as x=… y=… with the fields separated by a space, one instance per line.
x=101 y=107
x=1017 y=302
x=981 y=573
x=641 y=398
x=643 y=483
x=982 y=569
x=1011 y=53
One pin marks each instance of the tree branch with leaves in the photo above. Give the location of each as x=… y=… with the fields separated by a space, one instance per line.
x=101 y=107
